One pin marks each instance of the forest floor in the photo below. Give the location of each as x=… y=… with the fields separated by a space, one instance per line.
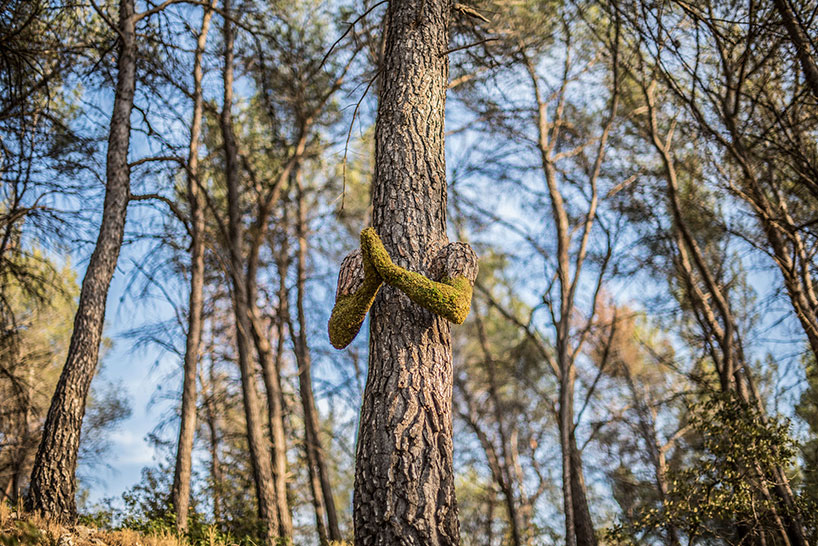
x=26 y=530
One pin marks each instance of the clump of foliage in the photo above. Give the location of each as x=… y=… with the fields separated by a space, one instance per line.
x=148 y=511
x=807 y=409
x=726 y=490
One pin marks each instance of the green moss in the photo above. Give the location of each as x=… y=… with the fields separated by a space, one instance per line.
x=450 y=298
x=350 y=310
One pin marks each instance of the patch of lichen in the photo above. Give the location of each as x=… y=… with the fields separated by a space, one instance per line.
x=450 y=298
x=350 y=310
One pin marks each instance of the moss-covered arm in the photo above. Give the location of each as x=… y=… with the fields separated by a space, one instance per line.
x=450 y=298
x=358 y=284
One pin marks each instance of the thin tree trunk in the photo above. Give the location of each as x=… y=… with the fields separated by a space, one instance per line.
x=492 y=501
x=579 y=528
x=322 y=495
x=275 y=397
x=582 y=515
x=53 y=481
x=17 y=475
x=275 y=407
x=315 y=486
x=801 y=42
x=180 y=493
x=578 y=524
x=525 y=508
x=655 y=453
x=404 y=479
x=267 y=358
x=660 y=475
x=499 y=470
x=272 y=382
x=566 y=423
x=519 y=527
x=212 y=416
x=8 y=491
x=262 y=471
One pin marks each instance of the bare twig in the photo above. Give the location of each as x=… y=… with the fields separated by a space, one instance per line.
x=468 y=46
x=349 y=135
x=351 y=26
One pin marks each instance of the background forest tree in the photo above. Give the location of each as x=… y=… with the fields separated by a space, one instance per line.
x=180 y=180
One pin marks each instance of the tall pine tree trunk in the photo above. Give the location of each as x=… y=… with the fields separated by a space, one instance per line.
x=579 y=528
x=271 y=373
x=180 y=493
x=582 y=515
x=53 y=480
x=404 y=480
x=275 y=407
x=259 y=458
x=212 y=416
x=319 y=474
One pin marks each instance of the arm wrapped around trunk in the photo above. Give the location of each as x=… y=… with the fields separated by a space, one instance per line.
x=363 y=271
x=450 y=298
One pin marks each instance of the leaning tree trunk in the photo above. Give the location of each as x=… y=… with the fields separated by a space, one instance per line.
x=180 y=493
x=259 y=458
x=404 y=480
x=53 y=480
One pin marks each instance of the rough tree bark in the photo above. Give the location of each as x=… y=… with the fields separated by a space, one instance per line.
x=404 y=481
x=262 y=471
x=180 y=493
x=53 y=481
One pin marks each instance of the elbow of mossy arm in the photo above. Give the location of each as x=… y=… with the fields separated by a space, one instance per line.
x=338 y=336
x=338 y=340
x=461 y=305
x=458 y=316
x=458 y=313
x=458 y=319
x=338 y=344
